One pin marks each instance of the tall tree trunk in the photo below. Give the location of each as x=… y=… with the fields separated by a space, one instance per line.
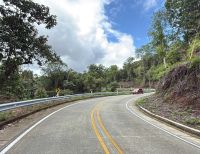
x=164 y=62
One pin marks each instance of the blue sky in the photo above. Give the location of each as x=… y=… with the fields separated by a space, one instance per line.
x=133 y=17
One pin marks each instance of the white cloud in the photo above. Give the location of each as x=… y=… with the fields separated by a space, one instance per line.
x=117 y=53
x=148 y=4
x=81 y=36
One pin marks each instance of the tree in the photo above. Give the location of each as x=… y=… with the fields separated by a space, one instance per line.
x=94 y=79
x=147 y=53
x=112 y=73
x=13 y=87
x=74 y=81
x=146 y=49
x=28 y=82
x=55 y=73
x=158 y=36
x=128 y=68
x=19 y=40
x=176 y=52
x=96 y=70
x=184 y=16
x=89 y=82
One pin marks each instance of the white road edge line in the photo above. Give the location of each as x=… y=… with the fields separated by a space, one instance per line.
x=128 y=108
x=9 y=146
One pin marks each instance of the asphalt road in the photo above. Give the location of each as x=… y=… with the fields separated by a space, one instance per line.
x=101 y=125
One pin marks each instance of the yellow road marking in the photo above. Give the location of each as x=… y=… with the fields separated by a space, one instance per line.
x=103 y=145
x=119 y=150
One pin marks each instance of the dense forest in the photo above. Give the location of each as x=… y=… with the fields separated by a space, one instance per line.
x=174 y=41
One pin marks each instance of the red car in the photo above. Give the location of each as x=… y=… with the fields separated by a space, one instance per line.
x=138 y=91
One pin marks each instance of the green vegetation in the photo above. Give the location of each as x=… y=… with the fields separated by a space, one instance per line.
x=195 y=63
x=20 y=42
x=193 y=121
x=194 y=47
x=41 y=93
x=5 y=115
x=141 y=101
x=174 y=39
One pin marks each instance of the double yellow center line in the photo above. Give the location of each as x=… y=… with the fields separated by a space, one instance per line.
x=95 y=112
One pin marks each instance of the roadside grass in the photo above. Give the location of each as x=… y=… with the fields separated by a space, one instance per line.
x=5 y=115
x=141 y=101
x=193 y=121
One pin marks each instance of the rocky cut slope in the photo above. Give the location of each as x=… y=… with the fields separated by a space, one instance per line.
x=182 y=85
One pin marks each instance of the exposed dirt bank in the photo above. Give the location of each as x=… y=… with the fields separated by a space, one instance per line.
x=178 y=95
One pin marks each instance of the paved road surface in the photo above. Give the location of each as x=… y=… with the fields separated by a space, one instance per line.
x=101 y=125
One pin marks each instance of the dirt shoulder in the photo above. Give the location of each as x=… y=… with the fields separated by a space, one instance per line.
x=173 y=111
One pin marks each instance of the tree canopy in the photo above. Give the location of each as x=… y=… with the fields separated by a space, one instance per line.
x=184 y=16
x=20 y=42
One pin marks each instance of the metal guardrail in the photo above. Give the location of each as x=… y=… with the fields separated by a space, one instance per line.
x=8 y=106
x=13 y=105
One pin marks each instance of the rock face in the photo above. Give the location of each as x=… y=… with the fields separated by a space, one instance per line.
x=182 y=85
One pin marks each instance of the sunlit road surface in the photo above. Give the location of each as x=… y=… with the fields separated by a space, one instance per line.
x=101 y=125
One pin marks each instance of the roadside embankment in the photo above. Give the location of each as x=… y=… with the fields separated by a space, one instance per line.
x=174 y=112
x=177 y=97
x=181 y=126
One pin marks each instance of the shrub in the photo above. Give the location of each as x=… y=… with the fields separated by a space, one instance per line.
x=173 y=57
x=158 y=72
x=141 y=101
x=194 y=48
x=66 y=92
x=5 y=115
x=193 y=121
x=114 y=86
x=40 y=93
x=195 y=63
x=176 y=53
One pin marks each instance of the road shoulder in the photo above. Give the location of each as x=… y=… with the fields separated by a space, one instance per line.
x=132 y=107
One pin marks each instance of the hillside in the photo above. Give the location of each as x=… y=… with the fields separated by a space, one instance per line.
x=182 y=85
x=178 y=94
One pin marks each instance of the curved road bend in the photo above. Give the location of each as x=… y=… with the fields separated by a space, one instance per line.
x=101 y=125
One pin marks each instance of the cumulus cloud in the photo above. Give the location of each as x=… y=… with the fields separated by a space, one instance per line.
x=81 y=36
